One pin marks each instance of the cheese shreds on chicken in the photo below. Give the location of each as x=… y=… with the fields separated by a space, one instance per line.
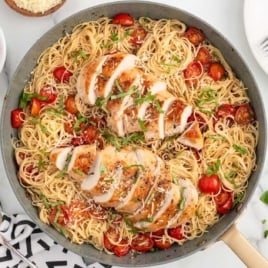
x=36 y=6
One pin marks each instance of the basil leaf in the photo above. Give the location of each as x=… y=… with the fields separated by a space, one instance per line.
x=264 y=197
x=240 y=149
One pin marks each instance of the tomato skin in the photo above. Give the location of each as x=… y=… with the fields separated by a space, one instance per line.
x=192 y=72
x=216 y=71
x=225 y=110
x=244 y=114
x=70 y=105
x=122 y=249
x=61 y=74
x=35 y=107
x=123 y=19
x=224 y=202
x=209 y=184
x=162 y=244
x=194 y=35
x=17 y=118
x=90 y=134
x=49 y=92
x=63 y=217
x=203 y=55
x=176 y=233
x=142 y=243
x=159 y=233
x=138 y=36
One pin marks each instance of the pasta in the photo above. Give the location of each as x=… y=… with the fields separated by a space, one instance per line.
x=165 y=51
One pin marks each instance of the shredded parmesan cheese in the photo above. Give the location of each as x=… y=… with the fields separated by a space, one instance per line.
x=36 y=6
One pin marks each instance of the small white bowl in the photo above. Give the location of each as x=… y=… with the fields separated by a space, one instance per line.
x=2 y=49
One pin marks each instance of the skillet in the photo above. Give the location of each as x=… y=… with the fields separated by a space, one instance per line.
x=225 y=228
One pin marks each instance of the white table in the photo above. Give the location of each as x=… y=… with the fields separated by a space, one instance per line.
x=227 y=17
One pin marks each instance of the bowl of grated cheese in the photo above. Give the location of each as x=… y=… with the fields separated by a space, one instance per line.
x=35 y=8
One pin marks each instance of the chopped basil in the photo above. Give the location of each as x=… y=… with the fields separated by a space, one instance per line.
x=147 y=98
x=80 y=53
x=265 y=233
x=214 y=168
x=130 y=225
x=240 y=149
x=207 y=101
x=238 y=198
x=142 y=125
x=182 y=203
x=134 y=165
x=264 y=197
x=149 y=219
x=64 y=170
x=121 y=95
x=40 y=164
x=102 y=169
x=27 y=97
x=215 y=137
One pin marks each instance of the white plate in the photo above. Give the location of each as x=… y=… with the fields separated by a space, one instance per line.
x=256 y=28
x=2 y=49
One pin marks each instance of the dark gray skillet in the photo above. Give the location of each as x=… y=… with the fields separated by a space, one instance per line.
x=136 y=9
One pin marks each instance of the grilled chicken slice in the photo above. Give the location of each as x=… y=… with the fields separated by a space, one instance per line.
x=87 y=79
x=59 y=156
x=189 y=197
x=83 y=157
x=175 y=117
x=192 y=137
x=166 y=210
x=113 y=66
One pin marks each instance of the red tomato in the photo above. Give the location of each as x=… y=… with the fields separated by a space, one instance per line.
x=70 y=105
x=142 y=243
x=203 y=55
x=192 y=72
x=107 y=244
x=122 y=249
x=194 y=35
x=62 y=215
x=225 y=109
x=49 y=92
x=224 y=202
x=123 y=19
x=90 y=134
x=17 y=118
x=216 y=71
x=209 y=184
x=35 y=107
x=162 y=244
x=244 y=114
x=159 y=232
x=138 y=36
x=176 y=233
x=61 y=74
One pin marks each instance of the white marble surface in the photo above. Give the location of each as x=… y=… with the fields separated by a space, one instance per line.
x=227 y=16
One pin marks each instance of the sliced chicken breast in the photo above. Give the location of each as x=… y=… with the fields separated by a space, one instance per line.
x=187 y=207
x=59 y=156
x=192 y=137
x=87 y=79
x=82 y=159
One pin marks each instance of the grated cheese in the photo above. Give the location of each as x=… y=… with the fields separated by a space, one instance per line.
x=37 y=6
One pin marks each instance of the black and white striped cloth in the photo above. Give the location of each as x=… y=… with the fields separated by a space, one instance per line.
x=25 y=236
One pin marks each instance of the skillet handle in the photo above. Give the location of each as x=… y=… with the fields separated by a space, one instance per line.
x=243 y=249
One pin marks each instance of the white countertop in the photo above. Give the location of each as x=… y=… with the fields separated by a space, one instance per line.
x=227 y=17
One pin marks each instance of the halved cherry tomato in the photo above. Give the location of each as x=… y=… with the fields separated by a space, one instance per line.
x=176 y=233
x=90 y=134
x=70 y=105
x=162 y=243
x=203 y=55
x=61 y=213
x=244 y=114
x=17 y=118
x=159 y=232
x=194 y=35
x=224 y=202
x=209 y=184
x=123 y=19
x=61 y=74
x=36 y=105
x=122 y=249
x=142 y=243
x=49 y=92
x=138 y=36
x=225 y=110
x=192 y=73
x=216 y=71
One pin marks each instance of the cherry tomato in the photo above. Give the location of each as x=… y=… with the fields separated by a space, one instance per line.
x=162 y=244
x=36 y=105
x=90 y=134
x=142 y=243
x=138 y=36
x=17 y=118
x=77 y=211
x=70 y=105
x=209 y=184
x=49 y=92
x=225 y=109
x=176 y=233
x=192 y=73
x=224 y=202
x=244 y=114
x=61 y=74
x=107 y=244
x=203 y=55
x=123 y=19
x=216 y=71
x=158 y=232
x=194 y=35
x=62 y=215
x=122 y=249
